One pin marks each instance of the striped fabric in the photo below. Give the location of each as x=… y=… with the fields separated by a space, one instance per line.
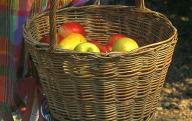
x=13 y=67
x=13 y=16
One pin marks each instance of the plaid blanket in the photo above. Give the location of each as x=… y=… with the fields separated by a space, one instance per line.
x=13 y=64
x=13 y=16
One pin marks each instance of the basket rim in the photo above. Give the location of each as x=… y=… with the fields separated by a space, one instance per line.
x=137 y=51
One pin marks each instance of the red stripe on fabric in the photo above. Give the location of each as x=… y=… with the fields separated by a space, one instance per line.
x=2 y=88
x=3 y=45
x=22 y=5
x=25 y=5
x=23 y=13
x=3 y=4
x=3 y=7
x=9 y=95
x=3 y=51
x=23 y=10
x=3 y=59
x=25 y=86
x=18 y=12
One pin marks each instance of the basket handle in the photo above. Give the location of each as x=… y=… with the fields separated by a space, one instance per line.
x=140 y=4
x=52 y=19
x=52 y=22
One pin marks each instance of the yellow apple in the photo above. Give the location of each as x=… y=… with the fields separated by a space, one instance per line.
x=87 y=47
x=71 y=41
x=124 y=44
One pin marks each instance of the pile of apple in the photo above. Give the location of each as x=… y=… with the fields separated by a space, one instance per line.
x=72 y=36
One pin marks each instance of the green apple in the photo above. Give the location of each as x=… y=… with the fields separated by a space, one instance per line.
x=71 y=41
x=124 y=44
x=87 y=47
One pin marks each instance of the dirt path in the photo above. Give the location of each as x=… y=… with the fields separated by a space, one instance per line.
x=176 y=102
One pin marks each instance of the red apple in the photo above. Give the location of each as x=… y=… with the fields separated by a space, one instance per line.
x=108 y=48
x=71 y=27
x=125 y=44
x=114 y=38
x=103 y=48
x=59 y=38
x=47 y=39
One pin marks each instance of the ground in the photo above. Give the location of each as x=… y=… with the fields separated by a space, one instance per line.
x=176 y=102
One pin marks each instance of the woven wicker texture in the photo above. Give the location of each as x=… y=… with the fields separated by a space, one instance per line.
x=103 y=87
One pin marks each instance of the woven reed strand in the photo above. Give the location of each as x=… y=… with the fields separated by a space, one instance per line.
x=118 y=87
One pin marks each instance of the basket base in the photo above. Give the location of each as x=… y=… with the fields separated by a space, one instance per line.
x=148 y=118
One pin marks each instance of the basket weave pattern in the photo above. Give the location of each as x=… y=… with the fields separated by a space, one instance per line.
x=108 y=87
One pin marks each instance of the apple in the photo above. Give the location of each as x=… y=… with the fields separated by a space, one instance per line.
x=102 y=48
x=59 y=38
x=113 y=38
x=71 y=41
x=108 y=48
x=71 y=27
x=87 y=47
x=124 y=44
x=47 y=39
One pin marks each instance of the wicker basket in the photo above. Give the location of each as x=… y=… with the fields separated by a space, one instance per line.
x=104 y=87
